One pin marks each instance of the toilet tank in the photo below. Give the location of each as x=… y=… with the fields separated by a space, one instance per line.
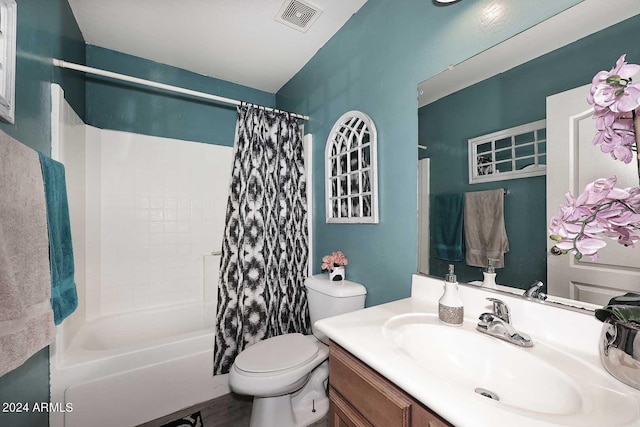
x=327 y=299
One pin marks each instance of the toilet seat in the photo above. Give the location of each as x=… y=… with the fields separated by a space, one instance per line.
x=277 y=354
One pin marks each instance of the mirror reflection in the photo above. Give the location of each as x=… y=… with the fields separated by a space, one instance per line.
x=511 y=99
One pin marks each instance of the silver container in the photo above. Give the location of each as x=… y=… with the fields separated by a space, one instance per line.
x=620 y=350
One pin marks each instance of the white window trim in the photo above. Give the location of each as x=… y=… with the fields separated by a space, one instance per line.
x=372 y=167
x=534 y=170
x=9 y=14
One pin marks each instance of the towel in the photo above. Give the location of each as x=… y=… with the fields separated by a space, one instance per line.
x=624 y=307
x=484 y=232
x=64 y=298
x=447 y=227
x=26 y=317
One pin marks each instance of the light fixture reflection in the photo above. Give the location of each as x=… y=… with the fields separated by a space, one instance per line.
x=493 y=12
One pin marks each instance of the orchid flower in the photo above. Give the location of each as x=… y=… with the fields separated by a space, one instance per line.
x=613 y=89
x=615 y=100
x=602 y=209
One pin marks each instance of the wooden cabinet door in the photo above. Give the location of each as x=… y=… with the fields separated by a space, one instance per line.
x=342 y=414
x=382 y=403
x=422 y=417
x=360 y=397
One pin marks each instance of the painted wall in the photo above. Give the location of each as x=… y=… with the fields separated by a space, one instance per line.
x=374 y=64
x=132 y=108
x=46 y=29
x=513 y=98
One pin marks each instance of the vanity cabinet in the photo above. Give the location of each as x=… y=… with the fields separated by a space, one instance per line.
x=360 y=397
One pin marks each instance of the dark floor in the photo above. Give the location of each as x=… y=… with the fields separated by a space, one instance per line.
x=230 y=410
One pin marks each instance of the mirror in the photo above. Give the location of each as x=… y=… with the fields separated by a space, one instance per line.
x=504 y=87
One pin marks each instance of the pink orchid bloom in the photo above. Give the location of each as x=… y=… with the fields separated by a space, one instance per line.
x=599 y=190
x=625 y=236
x=616 y=138
x=589 y=246
x=634 y=198
x=602 y=209
x=614 y=90
x=604 y=117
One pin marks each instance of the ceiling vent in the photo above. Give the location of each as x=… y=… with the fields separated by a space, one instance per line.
x=298 y=14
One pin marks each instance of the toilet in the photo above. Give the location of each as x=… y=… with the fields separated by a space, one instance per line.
x=287 y=374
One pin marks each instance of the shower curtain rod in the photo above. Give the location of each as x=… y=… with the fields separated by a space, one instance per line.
x=72 y=66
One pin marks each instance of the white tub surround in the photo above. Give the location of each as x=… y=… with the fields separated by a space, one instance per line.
x=124 y=370
x=576 y=390
x=147 y=216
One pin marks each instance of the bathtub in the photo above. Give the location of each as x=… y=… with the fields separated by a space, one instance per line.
x=127 y=369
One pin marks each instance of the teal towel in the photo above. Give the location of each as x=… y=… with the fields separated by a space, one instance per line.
x=448 y=211
x=64 y=298
x=624 y=307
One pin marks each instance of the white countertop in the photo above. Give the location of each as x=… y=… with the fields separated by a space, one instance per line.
x=575 y=333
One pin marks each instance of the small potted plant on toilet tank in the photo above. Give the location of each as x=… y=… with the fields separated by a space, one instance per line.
x=335 y=263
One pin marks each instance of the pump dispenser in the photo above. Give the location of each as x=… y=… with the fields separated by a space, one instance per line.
x=450 y=308
x=490 y=275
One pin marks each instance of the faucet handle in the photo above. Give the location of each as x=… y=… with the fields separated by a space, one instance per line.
x=501 y=309
x=534 y=291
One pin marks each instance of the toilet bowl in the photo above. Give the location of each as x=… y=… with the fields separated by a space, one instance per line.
x=288 y=374
x=272 y=370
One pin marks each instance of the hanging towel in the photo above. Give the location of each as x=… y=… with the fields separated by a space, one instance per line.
x=26 y=317
x=447 y=226
x=484 y=232
x=64 y=298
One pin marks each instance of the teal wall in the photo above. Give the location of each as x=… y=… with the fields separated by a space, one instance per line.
x=513 y=98
x=128 y=107
x=46 y=29
x=374 y=64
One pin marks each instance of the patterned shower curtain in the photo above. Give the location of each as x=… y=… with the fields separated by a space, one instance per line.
x=265 y=246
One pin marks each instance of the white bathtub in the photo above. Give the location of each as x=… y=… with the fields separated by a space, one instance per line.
x=131 y=368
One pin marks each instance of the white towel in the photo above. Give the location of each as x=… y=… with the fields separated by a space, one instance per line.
x=26 y=317
x=484 y=233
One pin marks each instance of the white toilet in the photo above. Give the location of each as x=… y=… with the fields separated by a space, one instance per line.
x=287 y=374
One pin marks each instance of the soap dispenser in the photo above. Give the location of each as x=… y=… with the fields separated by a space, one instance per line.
x=490 y=275
x=450 y=308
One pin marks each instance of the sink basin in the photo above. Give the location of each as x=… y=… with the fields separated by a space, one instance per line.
x=539 y=382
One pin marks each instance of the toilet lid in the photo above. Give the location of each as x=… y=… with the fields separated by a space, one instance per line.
x=277 y=353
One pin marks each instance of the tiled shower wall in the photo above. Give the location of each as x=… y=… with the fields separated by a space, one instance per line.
x=162 y=208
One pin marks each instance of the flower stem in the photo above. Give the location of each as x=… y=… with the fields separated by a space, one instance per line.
x=636 y=128
x=583 y=223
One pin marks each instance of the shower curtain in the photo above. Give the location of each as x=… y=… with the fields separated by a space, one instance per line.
x=265 y=246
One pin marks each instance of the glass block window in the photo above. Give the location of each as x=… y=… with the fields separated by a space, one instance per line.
x=351 y=170
x=518 y=152
x=8 y=15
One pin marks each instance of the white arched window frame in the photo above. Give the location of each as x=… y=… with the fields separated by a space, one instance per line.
x=351 y=170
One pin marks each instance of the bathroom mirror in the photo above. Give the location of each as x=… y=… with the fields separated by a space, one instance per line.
x=504 y=87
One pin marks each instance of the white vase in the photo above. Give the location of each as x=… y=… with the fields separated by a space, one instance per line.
x=337 y=274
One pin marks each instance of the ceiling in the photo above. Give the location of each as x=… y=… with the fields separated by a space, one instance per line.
x=562 y=29
x=233 y=40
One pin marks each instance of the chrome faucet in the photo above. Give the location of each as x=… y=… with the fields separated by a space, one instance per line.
x=498 y=324
x=534 y=291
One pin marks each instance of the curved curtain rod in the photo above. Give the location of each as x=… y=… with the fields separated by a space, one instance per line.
x=72 y=66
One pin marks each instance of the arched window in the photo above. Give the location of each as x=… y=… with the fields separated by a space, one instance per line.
x=351 y=186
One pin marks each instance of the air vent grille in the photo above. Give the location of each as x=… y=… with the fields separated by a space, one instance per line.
x=298 y=14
